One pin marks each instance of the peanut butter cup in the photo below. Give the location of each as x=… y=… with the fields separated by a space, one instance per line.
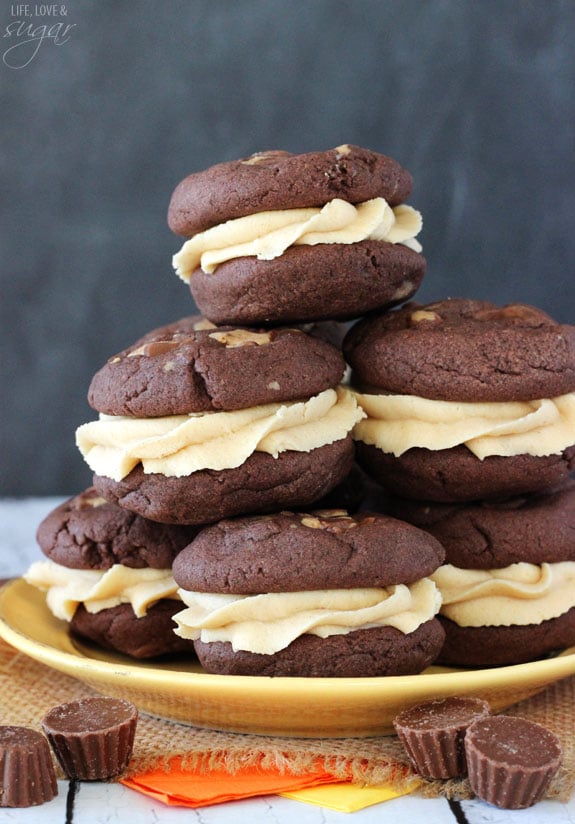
x=433 y=732
x=511 y=761
x=92 y=737
x=27 y=776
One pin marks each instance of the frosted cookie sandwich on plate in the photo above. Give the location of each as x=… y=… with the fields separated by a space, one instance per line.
x=108 y=573
x=323 y=594
x=508 y=582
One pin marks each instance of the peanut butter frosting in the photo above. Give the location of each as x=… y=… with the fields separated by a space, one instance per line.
x=396 y=423
x=178 y=445
x=270 y=622
x=267 y=235
x=99 y=589
x=518 y=594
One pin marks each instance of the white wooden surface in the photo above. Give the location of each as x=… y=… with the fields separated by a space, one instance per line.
x=103 y=803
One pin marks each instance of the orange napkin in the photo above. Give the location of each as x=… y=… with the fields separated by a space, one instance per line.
x=179 y=787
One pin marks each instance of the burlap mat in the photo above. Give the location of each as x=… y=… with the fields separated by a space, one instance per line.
x=29 y=689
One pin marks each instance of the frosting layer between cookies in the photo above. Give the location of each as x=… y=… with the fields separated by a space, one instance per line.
x=99 y=589
x=179 y=445
x=396 y=423
x=270 y=622
x=518 y=594
x=267 y=235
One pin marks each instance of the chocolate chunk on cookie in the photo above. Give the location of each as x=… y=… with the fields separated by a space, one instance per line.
x=281 y=180
x=190 y=366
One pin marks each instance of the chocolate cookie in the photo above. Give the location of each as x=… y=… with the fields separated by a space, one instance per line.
x=185 y=367
x=281 y=180
x=499 y=646
x=463 y=350
x=456 y=475
x=278 y=237
x=118 y=629
x=535 y=529
x=321 y=594
x=261 y=484
x=465 y=400
x=88 y=532
x=365 y=653
x=310 y=283
x=286 y=551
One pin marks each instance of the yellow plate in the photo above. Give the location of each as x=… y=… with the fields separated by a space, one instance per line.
x=303 y=707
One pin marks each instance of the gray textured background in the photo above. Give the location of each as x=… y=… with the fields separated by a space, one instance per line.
x=474 y=97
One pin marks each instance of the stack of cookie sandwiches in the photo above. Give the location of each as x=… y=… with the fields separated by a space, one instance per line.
x=470 y=431
x=306 y=368
x=237 y=424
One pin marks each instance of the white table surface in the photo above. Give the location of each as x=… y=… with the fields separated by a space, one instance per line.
x=112 y=803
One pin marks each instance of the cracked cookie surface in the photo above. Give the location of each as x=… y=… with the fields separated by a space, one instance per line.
x=190 y=366
x=464 y=350
x=282 y=180
x=289 y=551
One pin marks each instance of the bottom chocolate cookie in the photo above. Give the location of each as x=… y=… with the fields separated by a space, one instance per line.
x=457 y=475
x=261 y=484
x=497 y=646
x=364 y=653
x=119 y=629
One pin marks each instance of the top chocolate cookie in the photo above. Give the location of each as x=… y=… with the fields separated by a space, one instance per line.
x=281 y=180
x=87 y=532
x=294 y=551
x=463 y=350
x=192 y=366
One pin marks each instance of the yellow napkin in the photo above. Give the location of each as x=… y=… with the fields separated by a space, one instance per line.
x=347 y=798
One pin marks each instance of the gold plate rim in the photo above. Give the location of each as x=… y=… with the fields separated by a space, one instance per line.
x=308 y=707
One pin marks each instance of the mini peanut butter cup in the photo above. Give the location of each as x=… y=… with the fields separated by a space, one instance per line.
x=27 y=776
x=511 y=761
x=432 y=734
x=92 y=737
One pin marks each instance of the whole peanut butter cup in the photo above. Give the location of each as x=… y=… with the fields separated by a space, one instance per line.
x=511 y=761
x=92 y=737
x=433 y=732
x=27 y=776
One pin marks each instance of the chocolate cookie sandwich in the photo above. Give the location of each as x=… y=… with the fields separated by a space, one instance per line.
x=323 y=594
x=465 y=400
x=197 y=424
x=280 y=237
x=108 y=573
x=508 y=582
